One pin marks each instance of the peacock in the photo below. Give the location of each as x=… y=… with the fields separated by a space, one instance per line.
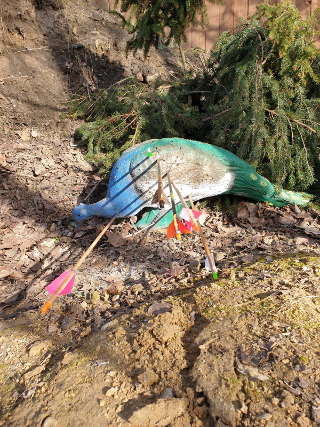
x=199 y=169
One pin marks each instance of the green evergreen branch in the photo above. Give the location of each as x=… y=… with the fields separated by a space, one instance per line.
x=293 y=120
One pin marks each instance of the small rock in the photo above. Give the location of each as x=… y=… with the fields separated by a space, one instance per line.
x=52 y=328
x=53 y=227
x=111 y=391
x=137 y=289
x=28 y=393
x=301 y=241
x=286 y=220
x=287 y=401
x=148 y=377
x=110 y=325
x=304 y=382
x=38 y=169
x=3 y=161
x=49 y=422
x=38 y=348
x=102 y=402
x=47 y=245
x=201 y=412
x=57 y=252
x=161 y=413
x=84 y=305
x=265 y=416
x=195 y=265
x=219 y=256
x=95 y=297
x=34 y=133
x=167 y=393
x=151 y=78
x=67 y=358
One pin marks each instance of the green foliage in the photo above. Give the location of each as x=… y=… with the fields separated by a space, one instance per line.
x=152 y=21
x=263 y=99
x=291 y=36
x=259 y=97
x=128 y=113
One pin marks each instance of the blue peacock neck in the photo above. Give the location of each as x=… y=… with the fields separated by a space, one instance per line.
x=102 y=208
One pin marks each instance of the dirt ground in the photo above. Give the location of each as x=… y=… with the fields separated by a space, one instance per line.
x=146 y=338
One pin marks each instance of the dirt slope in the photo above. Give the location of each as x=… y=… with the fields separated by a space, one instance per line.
x=146 y=339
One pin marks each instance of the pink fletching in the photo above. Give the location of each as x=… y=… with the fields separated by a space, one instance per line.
x=53 y=286
x=184 y=214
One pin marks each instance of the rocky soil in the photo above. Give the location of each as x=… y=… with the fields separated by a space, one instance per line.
x=146 y=338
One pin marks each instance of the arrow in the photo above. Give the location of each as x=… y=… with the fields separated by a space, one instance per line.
x=159 y=197
x=209 y=255
x=63 y=284
x=197 y=227
x=173 y=229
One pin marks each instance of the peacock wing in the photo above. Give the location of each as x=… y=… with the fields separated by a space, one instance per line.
x=194 y=170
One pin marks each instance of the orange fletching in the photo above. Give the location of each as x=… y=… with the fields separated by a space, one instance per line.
x=46 y=307
x=171 y=231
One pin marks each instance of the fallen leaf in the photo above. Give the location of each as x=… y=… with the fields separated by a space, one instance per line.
x=10 y=242
x=312 y=231
x=250 y=371
x=115 y=287
x=34 y=372
x=116 y=239
x=287 y=220
x=3 y=161
x=5 y=271
x=175 y=269
x=24 y=134
x=249 y=212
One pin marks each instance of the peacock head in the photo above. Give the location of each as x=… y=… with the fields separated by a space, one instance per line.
x=81 y=212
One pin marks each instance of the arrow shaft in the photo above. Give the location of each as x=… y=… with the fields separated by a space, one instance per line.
x=88 y=251
x=204 y=241
x=174 y=209
x=160 y=186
